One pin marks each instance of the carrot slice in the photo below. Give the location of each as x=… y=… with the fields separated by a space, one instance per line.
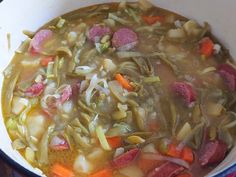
x=172 y=151
x=60 y=171
x=152 y=19
x=187 y=154
x=206 y=47
x=114 y=141
x=102 y=173
x=44 y=61
x=123 y=82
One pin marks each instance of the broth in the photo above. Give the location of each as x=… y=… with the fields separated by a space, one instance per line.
x=121 y=90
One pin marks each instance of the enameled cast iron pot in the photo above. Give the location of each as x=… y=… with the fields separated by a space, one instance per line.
x=17 y=15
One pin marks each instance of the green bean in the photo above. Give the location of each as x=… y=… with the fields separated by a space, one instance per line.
x=8 y=96
x=85 y=118
x=85 y=107
x=77 y=123
x=132 y=103
x=139 y=116
x=78 y=139
x=174 y=117
x=50 y=73
x=118 y=19
x=43 y=146
x=151 y=79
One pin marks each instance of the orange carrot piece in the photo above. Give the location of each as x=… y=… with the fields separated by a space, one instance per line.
x=150 y=20
x=114 y=141
x=187 y=154
x=102 y=173
x=44 y=61
x=172 y=151
x=61 y=171
x=123 y=82
x=206 y=47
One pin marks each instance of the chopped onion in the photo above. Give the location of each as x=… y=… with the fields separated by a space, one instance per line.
x=178 y=24
x=152 y=156
x=119 y=151
x=83 y=70
x=94 y=85
x=49 y=101
x=217 y=48
x=104 y=90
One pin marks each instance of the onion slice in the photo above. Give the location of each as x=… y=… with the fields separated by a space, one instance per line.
x=155 y=156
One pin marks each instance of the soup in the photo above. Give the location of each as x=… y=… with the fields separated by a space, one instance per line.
x=121 y=90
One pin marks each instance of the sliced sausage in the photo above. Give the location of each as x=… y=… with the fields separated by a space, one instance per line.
x=35 y=90
x=213 y=152
x=97 y=32
x=66 y=94
x=228 y=73
x=167 y=169
x=185 y=91
x=124 y=39
x=38 y=40
x=125 y=159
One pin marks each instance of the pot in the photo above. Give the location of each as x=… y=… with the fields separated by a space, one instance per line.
x=16 y=16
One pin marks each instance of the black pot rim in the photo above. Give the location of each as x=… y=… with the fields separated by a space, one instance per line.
x=19 y=168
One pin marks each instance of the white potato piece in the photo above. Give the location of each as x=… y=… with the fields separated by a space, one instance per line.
x=18 y=105
x=131 y=171
x=96 y=154
x=82 y=165
x=150 y=148
x=36 y=124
